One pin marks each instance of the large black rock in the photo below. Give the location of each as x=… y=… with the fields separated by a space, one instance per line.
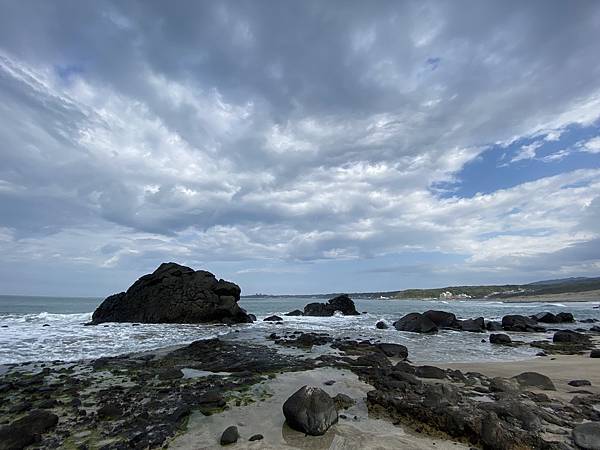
x=442 y=319
x=416 y=323
x=515 y=322
x=310 y=410
x=174 y=294
x=341 y=303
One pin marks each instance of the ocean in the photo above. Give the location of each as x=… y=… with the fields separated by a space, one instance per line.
x=52 y=328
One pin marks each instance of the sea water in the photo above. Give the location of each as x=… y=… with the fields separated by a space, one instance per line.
x=52 y=328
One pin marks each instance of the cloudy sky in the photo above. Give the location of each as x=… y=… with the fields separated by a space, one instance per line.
x=298 y=147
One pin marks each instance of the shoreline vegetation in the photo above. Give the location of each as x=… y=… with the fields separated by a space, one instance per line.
x=588 y=288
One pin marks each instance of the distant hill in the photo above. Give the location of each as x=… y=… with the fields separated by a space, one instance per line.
x=557 y=286
x=572 y=280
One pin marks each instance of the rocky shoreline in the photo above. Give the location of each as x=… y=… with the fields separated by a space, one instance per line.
x=145 y=400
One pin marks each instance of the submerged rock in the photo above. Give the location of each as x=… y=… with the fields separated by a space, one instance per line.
x=416 y=323
x=310 y=410
x=174 y=294
x=381 y=325
x=295 y=312
x=341 y=303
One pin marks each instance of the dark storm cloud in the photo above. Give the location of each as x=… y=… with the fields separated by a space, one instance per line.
x=287 y=130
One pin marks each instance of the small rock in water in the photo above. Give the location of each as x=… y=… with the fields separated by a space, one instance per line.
x=329 y=383
x=381 y=325
x=272 y=319
x=46 y=325
x=230 y=435
x=256 y=437
x=500 y=338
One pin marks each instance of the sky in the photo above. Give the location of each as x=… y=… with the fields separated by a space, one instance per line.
x=298 y=147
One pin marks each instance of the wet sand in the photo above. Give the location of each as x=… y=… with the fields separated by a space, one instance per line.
x=559 y=368
x=357 y=431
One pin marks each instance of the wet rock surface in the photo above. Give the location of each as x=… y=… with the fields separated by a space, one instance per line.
x=416 y=323
x=341 y=303
x=174 y=294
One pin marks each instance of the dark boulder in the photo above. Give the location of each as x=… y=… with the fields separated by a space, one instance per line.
x=442 y=319
x=536 y=380
x=230 y=435
x=473 y=325
x=570 y=337
x=430 y=372
x=381 y=325
x=174 y=294
x=587 y=435
x=545 y=317
x=416 y=323
x=272 y=319
x=565 y=317
x=295 y=312
x=256 y=437
x=517 y=322
x=310 y=410
x=393 y=350
x=595 y=353
x=26 y=430
x=579 y=383
x=493 y=325
x=341 y=303
x=500 y=338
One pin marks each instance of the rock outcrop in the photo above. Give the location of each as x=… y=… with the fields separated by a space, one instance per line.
x=416 y=323
x=310 y=410
x=174 y=294
x=341 y=303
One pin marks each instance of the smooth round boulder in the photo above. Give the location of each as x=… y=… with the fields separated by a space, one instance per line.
x=256 y=437
x=310 y=410
x=295 y=312
x=415 y=323
x=230 y=435
x=381 y=325
x=500 y=338
x=536 y=380
x=565 y=317
x=587 y=435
